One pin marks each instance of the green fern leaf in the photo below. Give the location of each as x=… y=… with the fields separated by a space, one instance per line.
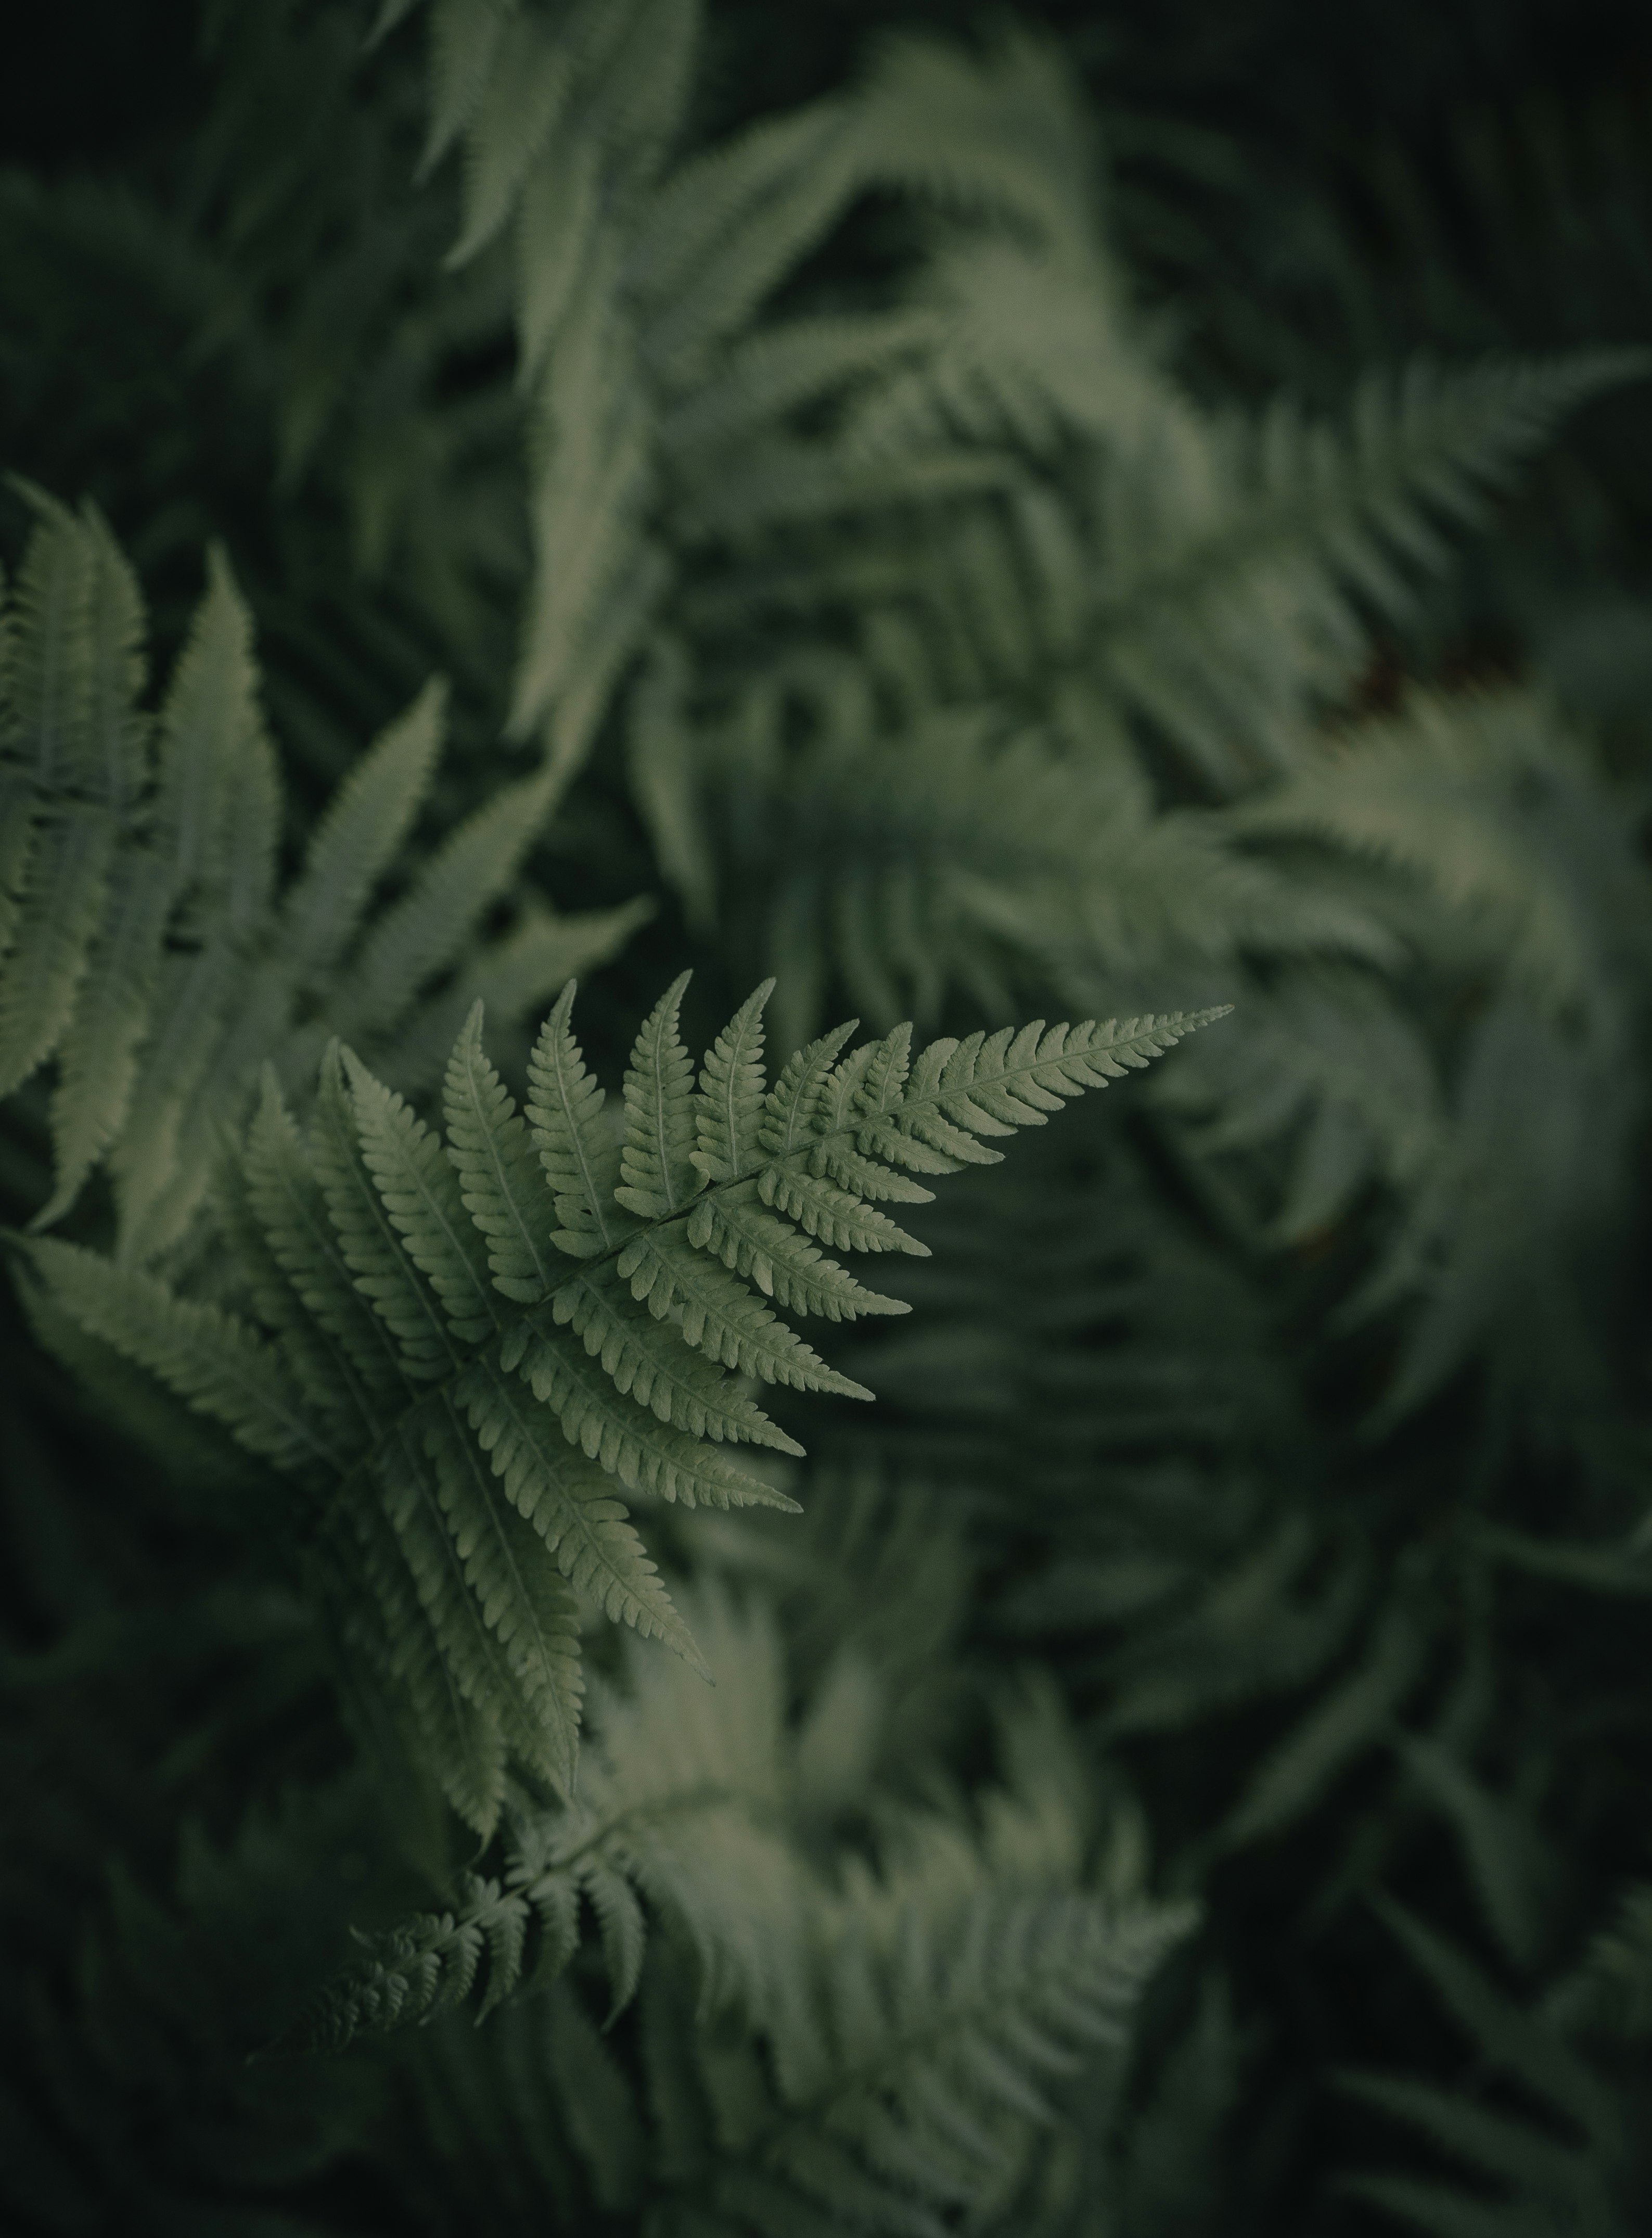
x=505 y=1925
x=619 y=1921
x=521 y=1594
x=679 y=1386
x=286 y=1198
x=318 y=1366
x=427 y=931
x=371 y=1243
x=788 y=1112
x=478 y=1658
x=528 y=89
x=210 y=1358
x=732 y=222
x=98 y=1057
x=382 y=1261
x=465 y=37
x=628 y=1440
x=68 y=870
x=357 y=839
x=918 y=2061
x=721 y=1317
x=580 y=1158
x=115 y=762
x=207 y=725
x=572 y=1508
x=462 y=1743
x=656 y=1161
x=681 y=1797
x=837 y=1218
x=732 y=1094
x=561 y=206
x=422 y=1195
x=503 y=1186
x=193 y=997
x=51 y=661
x=783 y=1267
x=19 y=817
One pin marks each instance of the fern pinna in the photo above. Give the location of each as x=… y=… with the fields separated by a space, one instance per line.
x=463 y=1403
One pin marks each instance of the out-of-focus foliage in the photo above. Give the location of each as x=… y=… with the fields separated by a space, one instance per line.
x=1111 y=514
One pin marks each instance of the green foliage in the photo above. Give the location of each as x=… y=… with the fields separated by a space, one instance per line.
x=1575 y=2168
x=976 y=547
x=147 y=947
x=424 y=1371
x=913 y=2013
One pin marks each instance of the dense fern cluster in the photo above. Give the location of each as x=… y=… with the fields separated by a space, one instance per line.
x=1166 y=1768
x=147 y=948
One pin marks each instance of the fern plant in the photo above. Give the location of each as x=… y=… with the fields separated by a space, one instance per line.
x=430 y=1359
x=971 y=629
x=822 y=2033
x=142 y=939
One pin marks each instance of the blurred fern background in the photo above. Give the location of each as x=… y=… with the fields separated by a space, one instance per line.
x=1078 y=513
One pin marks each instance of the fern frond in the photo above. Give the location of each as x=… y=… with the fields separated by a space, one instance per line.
x=142 y=941
x=978 y=2017
x=730 y=224
x=410 y=1291
x=50 y=664
x=207 y=725
x=681 y=1795
x=426 y=932
x=357 y=839
x=967 y=852
x=393 y=1628
x=997 y=131
x=98 y=1056
x=210 y=1358
x=1487 y=802
x=528 y=81
x=1332 y=1058
x=838 y=1217
x=429 y=1517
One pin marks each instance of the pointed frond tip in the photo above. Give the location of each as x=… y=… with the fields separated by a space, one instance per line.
x=482 y=1336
